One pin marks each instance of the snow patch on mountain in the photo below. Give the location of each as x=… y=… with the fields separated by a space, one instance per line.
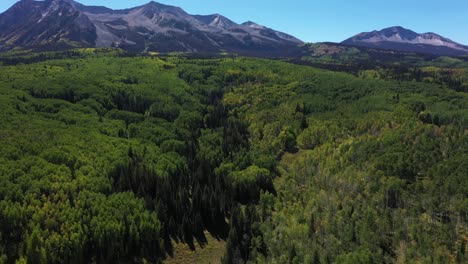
x=253 y=25
x=53 y=7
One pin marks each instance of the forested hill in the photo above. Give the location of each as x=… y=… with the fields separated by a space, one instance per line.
x=110 y=158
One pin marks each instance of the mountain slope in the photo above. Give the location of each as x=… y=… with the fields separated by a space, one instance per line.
x=401 y=39
x=51 y=22
x=150 y=27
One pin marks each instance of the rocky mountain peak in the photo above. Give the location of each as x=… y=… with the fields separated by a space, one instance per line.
x=402 y=39
x=150 y=27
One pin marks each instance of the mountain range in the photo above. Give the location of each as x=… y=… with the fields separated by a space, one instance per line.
x=63 y=24
x=150 y=27
x=402 y=39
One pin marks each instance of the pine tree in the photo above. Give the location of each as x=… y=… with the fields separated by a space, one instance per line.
x=461 y=252
x=312 y=227
x=304 y=123
x=292 y=254
x=35 y=253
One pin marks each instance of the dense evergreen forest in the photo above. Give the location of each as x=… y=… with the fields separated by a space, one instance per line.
x=387 y=64
x=108 y=157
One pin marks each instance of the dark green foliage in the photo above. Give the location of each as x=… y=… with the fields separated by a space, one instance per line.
x=244 y=235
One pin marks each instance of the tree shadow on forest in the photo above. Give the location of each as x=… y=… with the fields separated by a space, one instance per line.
x=168 y=246
x=219 y=231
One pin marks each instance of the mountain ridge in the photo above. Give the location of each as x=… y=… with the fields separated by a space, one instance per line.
x=149 y=27
x=402 y=39
x=64 y=24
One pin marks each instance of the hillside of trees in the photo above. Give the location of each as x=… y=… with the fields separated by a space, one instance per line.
x=109 y=157
x=387 y=64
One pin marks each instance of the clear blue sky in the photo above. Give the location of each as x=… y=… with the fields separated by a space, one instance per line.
x=326 y=20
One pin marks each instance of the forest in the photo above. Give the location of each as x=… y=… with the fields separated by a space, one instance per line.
x=111 y=157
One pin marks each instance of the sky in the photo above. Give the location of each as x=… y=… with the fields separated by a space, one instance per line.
x=325 y=20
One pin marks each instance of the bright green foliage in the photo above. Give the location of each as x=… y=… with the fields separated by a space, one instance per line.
x=369 y=182
x=106 y=157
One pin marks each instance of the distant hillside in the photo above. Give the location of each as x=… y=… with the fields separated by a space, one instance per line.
x=328 y=53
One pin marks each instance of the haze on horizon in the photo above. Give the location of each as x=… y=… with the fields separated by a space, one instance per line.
x=320 y=21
